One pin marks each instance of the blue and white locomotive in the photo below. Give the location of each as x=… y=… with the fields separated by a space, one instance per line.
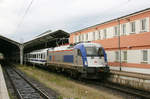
x=85 y=60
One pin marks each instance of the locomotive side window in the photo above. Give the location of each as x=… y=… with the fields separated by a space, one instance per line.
x=100 y=52
x=79 y=52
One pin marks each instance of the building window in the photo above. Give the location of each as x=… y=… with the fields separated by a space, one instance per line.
x=99 y=34
x=93 y=35
x=117 y=56
x=105 y=33
x=75 y=39
x=144 y=55
x=82 y=37
x=123 y=29
x=125 y=56
x=143 y=24
x=115 y=31
x=79 y=38
x=132 y=27
x=86 y=36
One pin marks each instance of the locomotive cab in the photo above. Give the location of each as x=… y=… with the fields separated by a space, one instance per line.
x=94 y=59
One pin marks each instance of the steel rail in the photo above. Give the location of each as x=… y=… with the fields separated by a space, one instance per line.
x=19 y=96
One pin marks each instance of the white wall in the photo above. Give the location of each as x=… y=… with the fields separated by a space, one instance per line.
x=149 y=56
x=133 y=56
x=148 y=24
x=110 y=56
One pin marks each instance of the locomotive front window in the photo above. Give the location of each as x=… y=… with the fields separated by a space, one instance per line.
x=94 y=51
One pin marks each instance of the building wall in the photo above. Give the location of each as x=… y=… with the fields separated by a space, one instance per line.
x=133 y=56
x=131 y=42
x=94 y=35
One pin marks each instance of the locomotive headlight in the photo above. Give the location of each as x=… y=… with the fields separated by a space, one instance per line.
x=105 y=63
x=85 y=63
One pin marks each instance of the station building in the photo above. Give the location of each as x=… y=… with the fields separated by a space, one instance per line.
x=126 y=40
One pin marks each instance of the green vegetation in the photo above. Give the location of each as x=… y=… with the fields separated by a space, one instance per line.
x=67 y=88
x=10 y=95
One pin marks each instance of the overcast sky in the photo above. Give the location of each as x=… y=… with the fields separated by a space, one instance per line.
x=68 y=15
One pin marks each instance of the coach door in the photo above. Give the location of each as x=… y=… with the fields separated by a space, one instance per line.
x=79 y=57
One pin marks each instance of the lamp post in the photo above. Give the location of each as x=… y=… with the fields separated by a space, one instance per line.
x=119 y=44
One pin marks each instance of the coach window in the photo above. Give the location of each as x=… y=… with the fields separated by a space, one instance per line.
x=144 y=56
x=43 y=56
x=143 y=25
x=38 y=55
x=132 y=25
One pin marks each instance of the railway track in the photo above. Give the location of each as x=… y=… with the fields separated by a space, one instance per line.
x=24 y=89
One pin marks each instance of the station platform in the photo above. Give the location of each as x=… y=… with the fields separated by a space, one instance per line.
x=135 y=80
x=3 y=88
x=131 y=74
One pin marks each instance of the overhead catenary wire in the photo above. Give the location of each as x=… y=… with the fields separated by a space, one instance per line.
x=23 y=17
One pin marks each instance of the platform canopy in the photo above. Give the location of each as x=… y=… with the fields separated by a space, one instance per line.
x=47 y=39
x=8 y=46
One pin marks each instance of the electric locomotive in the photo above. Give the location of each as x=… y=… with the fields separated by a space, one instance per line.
x=84 y=60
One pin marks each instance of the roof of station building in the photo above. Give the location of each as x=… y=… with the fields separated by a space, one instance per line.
x=46 y=40
x=9 y=40
x=7 y=45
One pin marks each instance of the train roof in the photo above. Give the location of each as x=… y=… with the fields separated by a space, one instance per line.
x=39 y=51
x=90 y=44
x=67 y=47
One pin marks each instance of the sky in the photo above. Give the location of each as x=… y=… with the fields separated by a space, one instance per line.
x=20 y=24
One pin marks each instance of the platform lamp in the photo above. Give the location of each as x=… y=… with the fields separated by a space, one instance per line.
x=119 y=44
